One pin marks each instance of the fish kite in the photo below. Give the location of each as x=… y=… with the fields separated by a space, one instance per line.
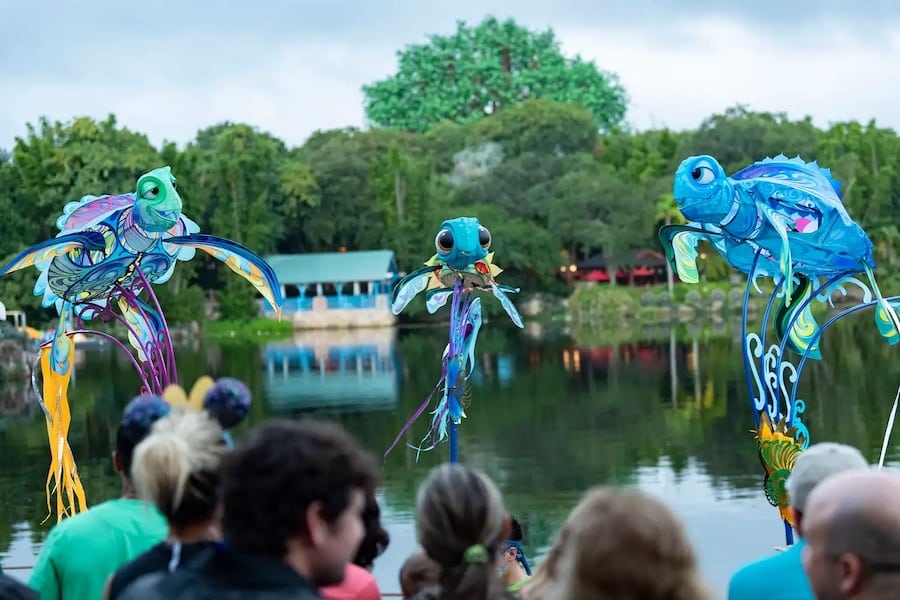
x=782 y=219
x=461 y=265
x=109 y=251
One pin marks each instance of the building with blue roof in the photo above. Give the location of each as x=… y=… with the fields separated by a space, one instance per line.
x=336 y=289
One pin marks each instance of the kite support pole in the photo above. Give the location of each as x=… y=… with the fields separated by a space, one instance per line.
x=454 y=443
x=788 y=534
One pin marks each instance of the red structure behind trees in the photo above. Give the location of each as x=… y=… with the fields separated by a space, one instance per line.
x=642 y=267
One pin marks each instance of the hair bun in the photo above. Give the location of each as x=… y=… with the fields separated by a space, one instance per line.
x=228 y=401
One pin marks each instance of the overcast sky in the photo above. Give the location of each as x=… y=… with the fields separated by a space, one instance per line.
x=170 y=67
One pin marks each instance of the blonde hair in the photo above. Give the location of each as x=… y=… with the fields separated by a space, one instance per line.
x=460 y=518
x=623 y=545
x=177 y=466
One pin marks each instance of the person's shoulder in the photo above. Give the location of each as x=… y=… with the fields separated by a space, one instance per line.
x=153 y=560
x=185 y=585
x=358 y=575
x=85 y=519
x=755 y=578
x=358 y=583
x=10 y=589
x=69 y=526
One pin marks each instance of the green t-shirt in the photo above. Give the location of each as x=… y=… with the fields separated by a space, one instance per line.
x=518 y=585
x=82 y=551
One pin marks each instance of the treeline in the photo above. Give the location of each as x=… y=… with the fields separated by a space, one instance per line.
x=537 y=174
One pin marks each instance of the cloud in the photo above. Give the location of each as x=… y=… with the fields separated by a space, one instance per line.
x=291 y=67
x=712 y=64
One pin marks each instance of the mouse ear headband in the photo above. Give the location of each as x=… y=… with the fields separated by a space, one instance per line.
x=225 y=399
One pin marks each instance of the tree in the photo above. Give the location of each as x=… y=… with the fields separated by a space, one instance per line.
x=54 y=164
x=597 y=208
x=480 y=70
x=739 y=137
x=667 y=212
x=59 y=163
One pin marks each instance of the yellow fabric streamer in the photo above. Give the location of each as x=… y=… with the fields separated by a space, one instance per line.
x=63 y=471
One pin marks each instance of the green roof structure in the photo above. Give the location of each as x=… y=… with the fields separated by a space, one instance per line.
x=334 y=267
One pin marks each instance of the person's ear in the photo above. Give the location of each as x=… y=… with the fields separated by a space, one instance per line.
x=798 y=519
x=850 y=574
x=117 y=462
x=316 y=525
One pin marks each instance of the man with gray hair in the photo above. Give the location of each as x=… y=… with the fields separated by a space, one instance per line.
x=853 y=537
x=781 y=576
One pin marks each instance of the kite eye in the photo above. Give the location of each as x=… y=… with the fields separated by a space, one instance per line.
x=150 y=190
x=444 y=240
x=484 y=237
x=703 y=175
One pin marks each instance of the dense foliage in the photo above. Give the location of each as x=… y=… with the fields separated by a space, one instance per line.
x=480 y=70
x=541 y=174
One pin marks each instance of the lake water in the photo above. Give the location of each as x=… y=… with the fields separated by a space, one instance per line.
x=551 y=415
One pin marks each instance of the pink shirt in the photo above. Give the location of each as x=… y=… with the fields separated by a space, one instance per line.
x=358 y=584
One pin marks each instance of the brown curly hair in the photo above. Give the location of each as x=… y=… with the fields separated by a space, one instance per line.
x=621 y=544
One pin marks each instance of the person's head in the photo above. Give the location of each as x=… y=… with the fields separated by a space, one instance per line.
x=622 y=544
x=514 y=552
x=462 y=526
x=178 y=467
x=516 y=531
x=852 y=528
x=546 y=572
x=812 y=466
x=296 y=491
x=137 y=419
x=417 y=573
x=376 y=538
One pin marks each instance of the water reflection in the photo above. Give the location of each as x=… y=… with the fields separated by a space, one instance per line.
x=332 y=371
x=667 y=412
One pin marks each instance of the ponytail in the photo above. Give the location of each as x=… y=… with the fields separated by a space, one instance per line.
x=177 y=466
x=460 y=518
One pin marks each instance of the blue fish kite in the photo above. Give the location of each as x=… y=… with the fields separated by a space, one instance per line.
x=461 y=264
x=789 y=213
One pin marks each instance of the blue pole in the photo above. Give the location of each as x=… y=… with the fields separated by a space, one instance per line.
x=454 y=446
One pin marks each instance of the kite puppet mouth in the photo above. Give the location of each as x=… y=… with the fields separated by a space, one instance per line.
x=805 y=221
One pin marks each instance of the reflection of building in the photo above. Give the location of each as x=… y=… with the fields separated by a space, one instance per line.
x=649 y=357
x=337 y=289
x=348 y=370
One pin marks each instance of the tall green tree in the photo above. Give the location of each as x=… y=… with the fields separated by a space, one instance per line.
x=483 y=69
x=596 y=208
x=59 y=163
x=54 y=164
x=740 y=136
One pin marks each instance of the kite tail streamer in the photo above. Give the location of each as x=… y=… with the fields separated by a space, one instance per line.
x=888 y=429
x=412 y=419
x=63 y=472
x=885 y=309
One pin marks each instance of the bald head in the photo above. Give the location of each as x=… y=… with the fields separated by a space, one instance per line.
x=858 y=513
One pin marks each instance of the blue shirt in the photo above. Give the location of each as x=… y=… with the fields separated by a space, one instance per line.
x=777 y=577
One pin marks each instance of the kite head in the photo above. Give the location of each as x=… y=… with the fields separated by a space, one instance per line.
x=157 y=205
x=462 y=242
x=702 y=191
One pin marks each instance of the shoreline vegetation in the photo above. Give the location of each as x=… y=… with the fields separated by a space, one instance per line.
x=554 y=172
